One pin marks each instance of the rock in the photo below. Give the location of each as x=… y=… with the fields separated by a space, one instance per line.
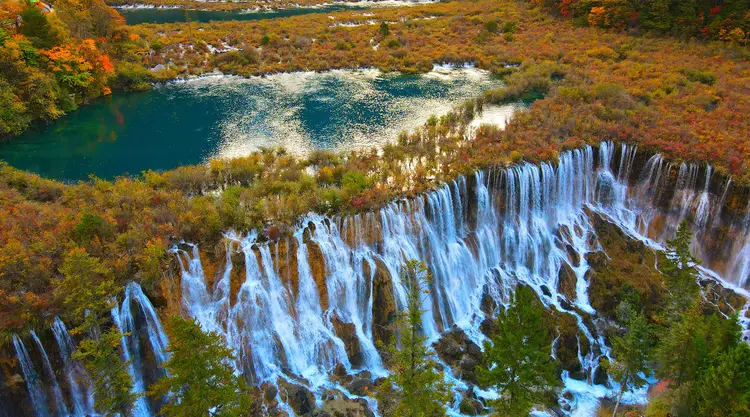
x=362 y=384
x=600 y=376
x=488 y=304
x=546 y=291
x=318 y=269
x=384 y=304
x=269 y=392
x=448 y=349
x=460 y=353
x=470 y=407
x=573 y=256
x=567 y=282
x=467 y=364
x=473 y=349
x=348 y=334
x=469 y=404
x=488 y=327
x=342 y=407
x=299 y=399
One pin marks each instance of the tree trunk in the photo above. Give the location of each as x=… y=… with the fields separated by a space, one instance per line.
x=619 y=395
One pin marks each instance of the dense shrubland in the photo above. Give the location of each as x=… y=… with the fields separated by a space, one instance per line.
x=727 y=20
x=52 y=62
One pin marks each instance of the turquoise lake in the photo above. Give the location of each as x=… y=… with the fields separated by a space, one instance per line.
x=135 y=16
x=192 y=121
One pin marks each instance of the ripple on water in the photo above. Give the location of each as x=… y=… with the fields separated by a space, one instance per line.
x=192 y=121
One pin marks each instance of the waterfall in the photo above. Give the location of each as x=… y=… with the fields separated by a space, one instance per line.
x=131 y=345
x=60 y=408
x=33 y=382
x=306 y=303
x=79 y=383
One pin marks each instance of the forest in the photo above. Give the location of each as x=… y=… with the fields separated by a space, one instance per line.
x=669 y=76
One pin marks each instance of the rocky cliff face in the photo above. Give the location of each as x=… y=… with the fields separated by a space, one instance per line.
x=306 y=311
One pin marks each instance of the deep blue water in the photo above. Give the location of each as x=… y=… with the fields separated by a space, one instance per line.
x=189 y=122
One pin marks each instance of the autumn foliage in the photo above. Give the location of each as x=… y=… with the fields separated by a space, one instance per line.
x=54 y=61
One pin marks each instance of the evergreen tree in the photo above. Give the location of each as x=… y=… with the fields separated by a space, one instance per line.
x=384 y=30
x=414 y=388
x=724 y=389
x=656 y=15
x=200 y=381
x=112 y=384
x=632 y=352
x=37 y=28
x=684 y=347
x=685 y=16
x=680 y=273
x=517 y=358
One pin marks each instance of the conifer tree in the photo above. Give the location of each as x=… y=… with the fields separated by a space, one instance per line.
x=200 y=380
x=631 y=354
x=724 y=389
x=415 y=387
x=37 y=28
x=680 y=273
x=684 y=346
x=517 y=359
x=656 y=15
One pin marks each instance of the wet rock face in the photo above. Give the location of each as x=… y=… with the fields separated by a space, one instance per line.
x=317 y=267
x=348 y=334
x=460 y=353
x=566 y=282
x=299 y=398
x=384 y=304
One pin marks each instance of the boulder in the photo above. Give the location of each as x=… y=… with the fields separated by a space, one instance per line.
x=567 y=282
x=573 y=257
x=343 y=407
x=361 y=384
x=299 y=398
x=460 y=353
x=348 y=334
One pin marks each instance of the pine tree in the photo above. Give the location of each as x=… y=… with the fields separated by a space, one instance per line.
x=200 y=381
x=724 y=389
x=517 y=358
x=683 y=348
x=686 y=16
x=656 y=15
x=631 y=352
x=680 y=273
x=415 y=388
x=37 y=28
